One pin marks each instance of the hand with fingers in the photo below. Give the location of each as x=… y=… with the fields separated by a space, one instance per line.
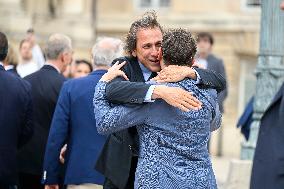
x=174 y=73
x=114 y=72
x=54 y=186
x=62 y=154
x=177 y=97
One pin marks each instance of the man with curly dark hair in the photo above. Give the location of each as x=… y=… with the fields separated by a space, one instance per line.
x=173 y=40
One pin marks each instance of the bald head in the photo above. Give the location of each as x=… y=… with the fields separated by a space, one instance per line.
x=282 y=5
x=106 y=50
x=56 y=45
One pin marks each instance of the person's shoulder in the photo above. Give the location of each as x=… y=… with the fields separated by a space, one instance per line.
x=210 y=92
x=190 y=85
x=22 y=84
x=81 y=82
x=124 y=58
x=186 y=83
x=34 y=75
x=129 y=60
x=51 y=73
x=14 y=78
x=76 y=81
x=215 y=58
x=131 y=63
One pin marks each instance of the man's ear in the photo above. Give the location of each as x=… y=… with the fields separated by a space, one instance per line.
x=62 y=57
x=134 y=53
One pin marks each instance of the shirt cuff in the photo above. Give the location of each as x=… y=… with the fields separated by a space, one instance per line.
x=198 y=78
x=148 y=97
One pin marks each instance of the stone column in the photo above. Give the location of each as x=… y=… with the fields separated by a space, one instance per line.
x=270 y=67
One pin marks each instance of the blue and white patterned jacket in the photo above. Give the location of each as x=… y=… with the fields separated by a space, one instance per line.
x=173 y=144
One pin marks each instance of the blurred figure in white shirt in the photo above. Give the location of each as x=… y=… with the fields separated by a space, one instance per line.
x=36 y=50
x=26 y=64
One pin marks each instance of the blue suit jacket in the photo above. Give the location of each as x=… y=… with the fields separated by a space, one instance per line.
x=15 y=122
x=74 y=123
x=245 y=120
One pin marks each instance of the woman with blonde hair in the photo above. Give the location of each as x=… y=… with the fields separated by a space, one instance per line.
x=11 y=61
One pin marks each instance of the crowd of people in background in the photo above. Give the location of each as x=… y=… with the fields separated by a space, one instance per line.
x=52 y=141
x=29 y=58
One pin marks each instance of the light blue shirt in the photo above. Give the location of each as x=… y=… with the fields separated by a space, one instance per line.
x=146 y=74
x=202 y=62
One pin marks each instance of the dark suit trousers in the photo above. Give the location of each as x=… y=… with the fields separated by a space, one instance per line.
x=29 y=181
x=4 y=186
x=130 y=183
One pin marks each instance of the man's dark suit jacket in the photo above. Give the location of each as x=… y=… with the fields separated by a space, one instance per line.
x=46 y=84
x=15 y=123
x=115 y=159
x=268 y=163
x=215 y=64
x=13 y=71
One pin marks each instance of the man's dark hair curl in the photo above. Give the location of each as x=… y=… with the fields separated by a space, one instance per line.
x=147 y=21
x=179 y=47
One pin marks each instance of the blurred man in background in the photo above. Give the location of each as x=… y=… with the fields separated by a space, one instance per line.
x=46 y=85
x=74 y=122
x=36 y=50
x=26 y=64
x=207 y=60
x=15 y=119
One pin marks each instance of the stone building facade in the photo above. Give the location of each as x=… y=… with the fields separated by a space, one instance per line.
x=234 y=24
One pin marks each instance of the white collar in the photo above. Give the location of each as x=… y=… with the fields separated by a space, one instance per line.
x=52 y=65
x=1 y=63
x=9 y=67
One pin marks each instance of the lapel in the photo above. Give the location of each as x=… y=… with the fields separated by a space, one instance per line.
x=138 y=75
x=277 y=97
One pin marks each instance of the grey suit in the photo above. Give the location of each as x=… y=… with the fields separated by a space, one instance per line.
x=216 y=64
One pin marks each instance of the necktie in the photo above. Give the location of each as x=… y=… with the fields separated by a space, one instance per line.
x=154 y=74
